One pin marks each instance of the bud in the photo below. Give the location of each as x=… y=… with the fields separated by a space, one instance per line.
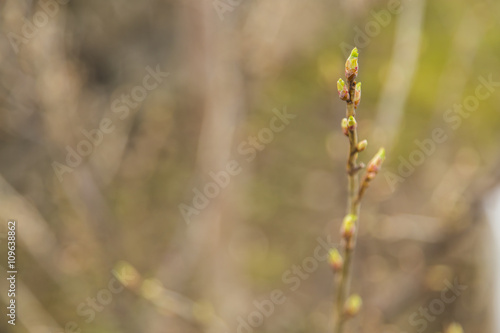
x=362 y=145
x=151 y=289
x=353 y=305
x=343 y=90
x=345 y=128
x=357 y=94
x=376 y=162
x=351 y=65
x=127 y=275
x=348 y=226
x=335 y=260
x=455 y=328
x=351 y=123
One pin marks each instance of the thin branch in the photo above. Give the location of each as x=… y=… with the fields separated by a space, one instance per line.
x=347 y=306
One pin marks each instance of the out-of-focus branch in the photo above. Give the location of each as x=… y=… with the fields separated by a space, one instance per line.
x=33 y=230
x=32 y=314
x=404 y=63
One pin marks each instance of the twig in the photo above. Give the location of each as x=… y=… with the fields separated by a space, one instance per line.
x=346 y=307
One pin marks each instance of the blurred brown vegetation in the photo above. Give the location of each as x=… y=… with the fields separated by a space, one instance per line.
x=119 y=208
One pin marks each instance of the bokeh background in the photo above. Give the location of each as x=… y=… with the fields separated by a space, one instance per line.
x=108 y=230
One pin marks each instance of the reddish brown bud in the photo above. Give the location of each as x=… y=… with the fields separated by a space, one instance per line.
x=376 y=162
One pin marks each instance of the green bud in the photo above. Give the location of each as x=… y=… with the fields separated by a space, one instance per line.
x=353 y=305
x=351 y=123
x=357 y=94
x=351 y=65
x=362 y=145
x=345 y=128
x=455 y=328
x=354 y=53
x=335 y=260
x=348 y=226
x=343 y=90
x=340 y=85
x=133 y=279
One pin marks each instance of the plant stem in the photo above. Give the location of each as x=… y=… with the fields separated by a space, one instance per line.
x=352 y=208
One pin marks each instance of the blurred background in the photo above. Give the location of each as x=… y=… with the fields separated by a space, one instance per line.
x=178 y=166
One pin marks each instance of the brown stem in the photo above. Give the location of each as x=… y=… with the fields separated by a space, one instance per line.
x=365 y=183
